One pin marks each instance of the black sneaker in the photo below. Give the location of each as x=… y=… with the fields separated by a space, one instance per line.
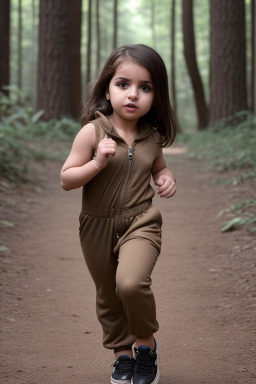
x=123 y=370
x=146 y=370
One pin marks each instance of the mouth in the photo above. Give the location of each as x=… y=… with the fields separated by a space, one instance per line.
x=131 y=107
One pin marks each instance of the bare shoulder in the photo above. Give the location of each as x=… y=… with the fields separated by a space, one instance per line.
x=86 y=137
x=88 y=133
x=82 y=148
x=90 y=127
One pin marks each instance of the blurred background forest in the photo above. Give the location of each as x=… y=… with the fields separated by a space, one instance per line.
x=52 y=49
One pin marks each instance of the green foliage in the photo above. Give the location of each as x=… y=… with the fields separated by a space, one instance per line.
x=241 y=204
x=3 y=248
x=7 y=223
x=238 y=222
x=229 y=144
x=234 y=223
x=238 y=180
x=21 y=133
x=247 y=216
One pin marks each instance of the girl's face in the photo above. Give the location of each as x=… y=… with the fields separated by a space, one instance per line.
x=130 y=91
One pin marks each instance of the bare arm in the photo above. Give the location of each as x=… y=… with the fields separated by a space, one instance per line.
x=163 y=177
x=80 y=168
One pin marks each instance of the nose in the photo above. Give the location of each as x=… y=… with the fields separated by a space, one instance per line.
x=133 y=94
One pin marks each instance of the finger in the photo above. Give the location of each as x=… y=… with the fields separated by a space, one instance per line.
x=171 y=194
x=108 y=144
x=168 y=192
x=164 y=186
x=109 y=141
x=160 y=181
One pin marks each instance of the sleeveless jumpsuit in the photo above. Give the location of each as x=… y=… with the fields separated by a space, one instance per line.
x=120 y=235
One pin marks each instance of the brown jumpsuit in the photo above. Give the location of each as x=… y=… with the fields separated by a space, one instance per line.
x=120 y=234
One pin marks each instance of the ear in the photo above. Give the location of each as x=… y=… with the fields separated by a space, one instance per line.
x=107 y=94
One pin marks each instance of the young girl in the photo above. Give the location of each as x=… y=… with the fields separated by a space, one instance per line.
x=126 y=121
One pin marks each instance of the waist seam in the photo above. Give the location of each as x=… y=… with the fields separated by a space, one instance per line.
x=114 y=212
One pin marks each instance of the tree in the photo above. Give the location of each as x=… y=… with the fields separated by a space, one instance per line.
x=153 y=23
x=20 y=45
x=228 y=60
x=53 y=73
x=253 y=32
x=115 y=23
x=89 y=42
x=98 y=33
x=33 y=53
x=173 y=75
x=191 y=61
x=75 y=18
x=4 y=44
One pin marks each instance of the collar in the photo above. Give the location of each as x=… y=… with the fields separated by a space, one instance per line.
x=144 y=128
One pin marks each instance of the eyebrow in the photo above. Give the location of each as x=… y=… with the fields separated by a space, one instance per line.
x=126 y=79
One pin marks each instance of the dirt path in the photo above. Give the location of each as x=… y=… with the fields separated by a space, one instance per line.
x=204 y=284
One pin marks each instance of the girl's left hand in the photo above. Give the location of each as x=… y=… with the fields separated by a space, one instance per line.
x=167 y=187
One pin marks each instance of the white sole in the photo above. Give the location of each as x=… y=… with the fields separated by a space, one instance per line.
x=113 y=381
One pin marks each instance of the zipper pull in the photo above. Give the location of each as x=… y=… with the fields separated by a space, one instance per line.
x=130 y=155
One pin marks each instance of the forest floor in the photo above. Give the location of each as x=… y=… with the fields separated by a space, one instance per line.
x=204 y=283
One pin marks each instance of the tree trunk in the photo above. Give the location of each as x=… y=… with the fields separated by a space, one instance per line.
x=153 y=23
x=228 y=60
x=190 y=56
x=20 y=46
x=253 y=70
x=89 y=42
x=33 y=57
x=173 y=74
x=53 y=73
x=75 y=18
x=115 y=23
x=5 y=45
x=98 y=33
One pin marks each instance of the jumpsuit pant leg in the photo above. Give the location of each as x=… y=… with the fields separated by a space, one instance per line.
x=97 y=238
x=121 y=272
x=137 y=258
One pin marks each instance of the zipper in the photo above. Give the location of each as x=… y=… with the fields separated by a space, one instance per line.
x=130 y=154
x=130 y=158
x=121 y=196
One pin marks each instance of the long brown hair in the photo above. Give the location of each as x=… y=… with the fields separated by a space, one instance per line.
x=160 y=114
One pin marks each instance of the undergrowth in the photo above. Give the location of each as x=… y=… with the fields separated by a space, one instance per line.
x=23 y=134
x=228 y=145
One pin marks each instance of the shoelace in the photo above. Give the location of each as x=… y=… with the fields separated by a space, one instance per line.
x=123 y=366
x=144 y=363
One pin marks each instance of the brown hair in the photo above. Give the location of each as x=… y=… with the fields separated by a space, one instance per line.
x=160 y=114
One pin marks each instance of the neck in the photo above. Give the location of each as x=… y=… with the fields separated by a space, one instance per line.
x=124 y=125
x=126 y=129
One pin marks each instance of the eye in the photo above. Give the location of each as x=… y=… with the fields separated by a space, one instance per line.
x=122 y=84
x=145 y=88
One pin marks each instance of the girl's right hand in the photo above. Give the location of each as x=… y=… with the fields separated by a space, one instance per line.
x=105 y=151
x=80 y=166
